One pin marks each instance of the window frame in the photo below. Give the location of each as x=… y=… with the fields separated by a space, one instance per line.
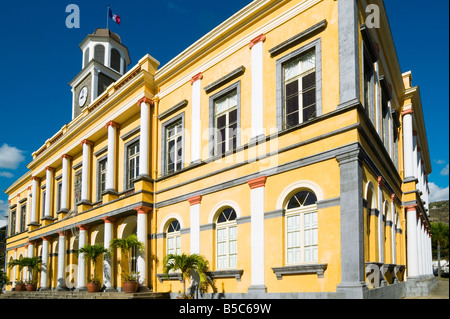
x=127 y=181
x=13 y=222
x=176 y=236
x=76 y=173
x=280 y=90
x=23 y=217
x=227 y=225
x=301 y=212
x=164 y=150
x=103 y=159
x=212 y=118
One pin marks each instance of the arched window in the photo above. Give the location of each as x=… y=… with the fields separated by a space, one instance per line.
x=99 y=53
x=301 y=228
x=86 y=57
x=174 y=238
x=115 y=60
x=226 y=239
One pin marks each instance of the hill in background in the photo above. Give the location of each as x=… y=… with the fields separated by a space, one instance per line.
x=439 y=212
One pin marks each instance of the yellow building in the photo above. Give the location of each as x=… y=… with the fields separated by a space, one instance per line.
x=285 y=146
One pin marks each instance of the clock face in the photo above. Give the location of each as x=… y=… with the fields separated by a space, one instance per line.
x=82 y=97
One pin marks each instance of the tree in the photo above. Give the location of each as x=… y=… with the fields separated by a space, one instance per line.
x=126 y=246
x=33 y=264
x=185 y=264
x=439 y=237
x=3 y=280
x=92 y=253
x=21 y=263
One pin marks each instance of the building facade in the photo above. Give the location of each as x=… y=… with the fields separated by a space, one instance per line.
x=285 y=146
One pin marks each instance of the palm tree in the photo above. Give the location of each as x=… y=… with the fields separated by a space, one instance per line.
x=185 y=264
x=21 y=263
x=126 y=246
x=439 y=236
x=92 y=253
x=33 y=264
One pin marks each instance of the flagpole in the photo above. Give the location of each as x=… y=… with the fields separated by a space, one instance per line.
x=107 y=17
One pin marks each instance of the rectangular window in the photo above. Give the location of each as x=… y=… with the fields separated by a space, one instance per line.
x=302 y=238
x=23 y=217
x=174 y=245
x=77 y=187
x=43 y=203
x=369 y=103
x=225 y=111
x=227 y=247
x=101 y=181
x=58 y=196
x=385 y=122
x=13 y=223
x=132 y=164
x=395 y=144
x=174 y=147
x=299 y=77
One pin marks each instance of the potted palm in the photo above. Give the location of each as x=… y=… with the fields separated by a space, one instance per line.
x=186 y=264
x=3 y=280
x=130 y=280
x=19 y=285
x=33 y=264
x=92 y=254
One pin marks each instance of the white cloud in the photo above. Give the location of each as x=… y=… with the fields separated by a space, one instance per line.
x=6 y=174
x=4 y=208
x=10 y=156
x=437 y=193
x=440 y=162
x=444 y=171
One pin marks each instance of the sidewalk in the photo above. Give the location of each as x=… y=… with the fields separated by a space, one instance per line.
x=440 y=292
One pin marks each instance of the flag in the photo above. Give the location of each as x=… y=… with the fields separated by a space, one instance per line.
x=113 y=16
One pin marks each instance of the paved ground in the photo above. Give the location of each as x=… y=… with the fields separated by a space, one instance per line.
x=440 y=292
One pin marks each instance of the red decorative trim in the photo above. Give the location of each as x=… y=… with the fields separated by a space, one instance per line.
x=45 y=238
x=411 y=208
x=108 y=219
x=257 y=182
x=61 y=233
x=381 y=181
x=393 y=197
x=87 y=142
x=35 y=178
x=49 y=168
x=142 y=209
x=66 y=156
x=195 y=200
x=145 y=100
x=113 y=124
x=408 y=111
x=196 y=77
x=28 y=188
x=83 y=227
x=259 y=38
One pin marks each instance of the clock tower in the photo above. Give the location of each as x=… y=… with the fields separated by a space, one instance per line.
x=105 y=60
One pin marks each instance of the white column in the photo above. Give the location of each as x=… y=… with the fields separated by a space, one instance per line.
x=380 y=220
x=412 y=252
x=34 y=199
x=142 y=237
x=85 y=173
x=415 y=156
x=394 y=226
x=29 y=200
x=107 y=264
x=48 y=191
x=196 y=82
x=420 y=245
x=65 y=182
x=144 y=137
x=61 y=285
x=111 y=162
x=14 y=269
x=81 y=279
x=257 y=189
x=408 y=147
x=195 y=223
x=44 y=264
x=257 y=99
x=30 y=254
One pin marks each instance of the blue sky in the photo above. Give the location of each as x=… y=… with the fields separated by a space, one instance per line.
x=40 y=56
